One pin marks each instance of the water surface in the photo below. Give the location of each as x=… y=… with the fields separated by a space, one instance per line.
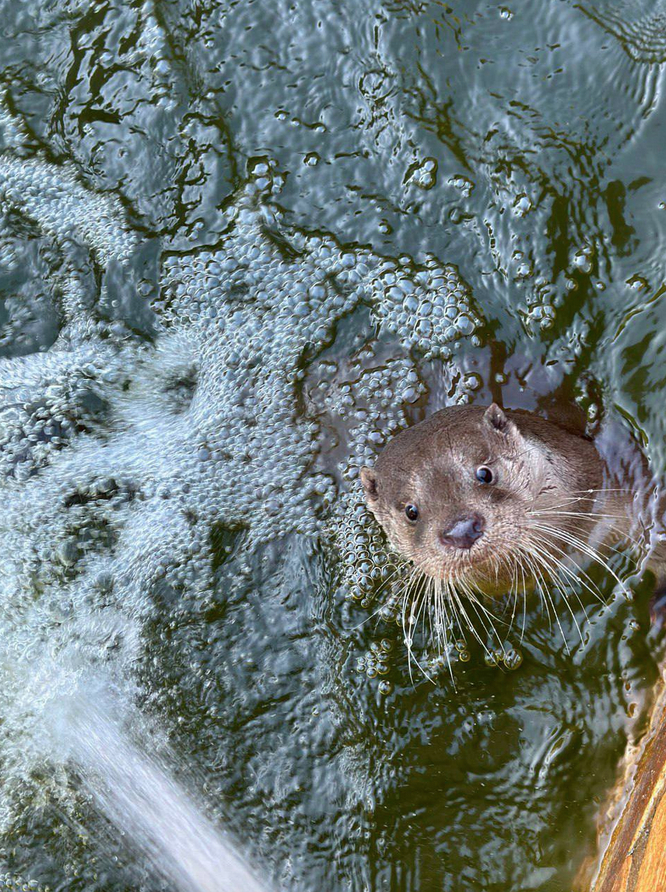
x=241 y=244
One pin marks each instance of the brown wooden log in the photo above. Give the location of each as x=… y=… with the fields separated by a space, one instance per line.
x=633 y=835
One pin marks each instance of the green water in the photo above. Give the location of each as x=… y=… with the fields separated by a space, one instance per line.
x=204 y=210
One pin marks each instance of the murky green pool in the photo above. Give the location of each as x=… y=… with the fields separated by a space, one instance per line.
x=241 y=245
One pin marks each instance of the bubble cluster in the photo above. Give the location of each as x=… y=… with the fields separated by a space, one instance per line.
x=18 y=884
x=428 y=308
x=377 y=660
x=64 y=208
x=47 y=404
x=362 y=551
x=545 y=295
x=423 y=174
x=510 y=658
x=462 y=184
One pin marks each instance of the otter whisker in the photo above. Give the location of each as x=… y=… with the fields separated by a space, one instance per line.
x=513 y=586
x=522 y=570
x=595 y=557
x=571 y=539
x=519 y=581
x=431 y=604
x=580 y=576
x=538 y=564
x=400 y=568
x=485 y=616
x=443 y=614
x=547 y=562
x=590 y=584
x=517 y=585
x=574 y=499
x=491 y=616
x=508 y=560
x=488 y=627
x=459 y=612
x=602 y=489
x=409 y=636
x=437 y=614
x=497 y=563
x=470 y=625
x=452 y=601
x=409 y=593
x=535 y=575
x=441 y=624
x=468 y=620
x=437 y=618
x=423 y=601
x=442 y=601
x=581 y=546
x=398 y=597
x=447 y=618
x=592 y=518
x=559 y=567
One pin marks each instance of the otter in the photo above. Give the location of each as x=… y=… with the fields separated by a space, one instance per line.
x=487 y=501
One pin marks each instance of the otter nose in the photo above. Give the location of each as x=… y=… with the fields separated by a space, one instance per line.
x=464 y=532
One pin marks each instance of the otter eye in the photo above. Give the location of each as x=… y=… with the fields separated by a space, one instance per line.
x=412 y=512
x=484 y=475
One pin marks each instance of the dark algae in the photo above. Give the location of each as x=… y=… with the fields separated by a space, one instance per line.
x=242 y=246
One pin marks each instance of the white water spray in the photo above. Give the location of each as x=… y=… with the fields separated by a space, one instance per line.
x=139 y=795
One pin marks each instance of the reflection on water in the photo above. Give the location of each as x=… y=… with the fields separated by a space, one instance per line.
x=241 y=245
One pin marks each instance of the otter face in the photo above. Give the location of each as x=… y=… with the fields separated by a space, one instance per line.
x=455 y=495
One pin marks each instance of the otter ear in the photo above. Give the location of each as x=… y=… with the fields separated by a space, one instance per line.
x=369 y=482
x=495 y=418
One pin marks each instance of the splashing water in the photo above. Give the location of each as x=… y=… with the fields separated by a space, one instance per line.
x=139 y=794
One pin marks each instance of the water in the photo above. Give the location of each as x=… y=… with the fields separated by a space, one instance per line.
x=151 y=809
x=240 y=246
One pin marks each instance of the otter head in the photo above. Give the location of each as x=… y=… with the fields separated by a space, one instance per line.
x=455 y=494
